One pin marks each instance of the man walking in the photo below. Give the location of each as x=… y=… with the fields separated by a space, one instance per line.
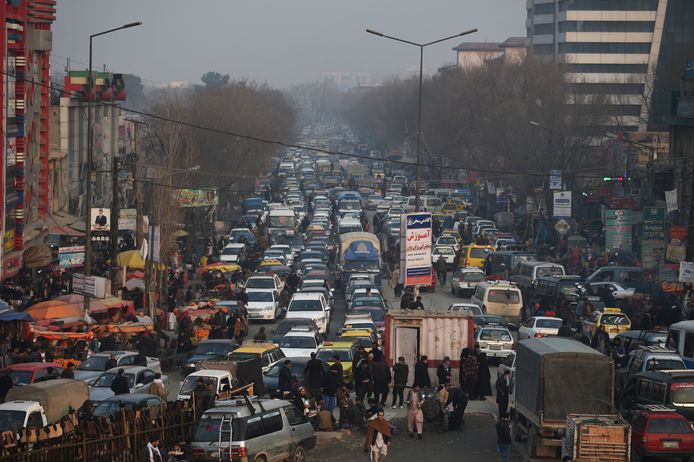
x=362 y=380
x=415 y=416
x=443 y=372
x=421 y=373
x=314 y=376
x=441 y=270
x=503 y=390
x=378 y=438
x=380 y=373
x=120 y=386
x=400 y=373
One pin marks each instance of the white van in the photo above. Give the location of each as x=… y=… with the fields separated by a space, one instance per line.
x=501 y=298
x=431 y=204
x=680 y=337
x=310 y=305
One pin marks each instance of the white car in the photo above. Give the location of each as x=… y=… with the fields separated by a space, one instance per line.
x=139 y=380
x=312 y=306
x=448 y=254
x=449 y=241
x=465 y=280
x=473 y=309
x=264 y=304
x=383 y=207
x=269 y=282
x=288 y=254
x=619 y=292
x=300 y=342
x=234 y=253
x=539 y=326
x=495 y=341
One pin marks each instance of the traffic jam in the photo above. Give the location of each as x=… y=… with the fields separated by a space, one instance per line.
x=340 y=289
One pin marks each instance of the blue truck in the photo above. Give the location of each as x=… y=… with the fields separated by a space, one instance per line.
x=359 y=252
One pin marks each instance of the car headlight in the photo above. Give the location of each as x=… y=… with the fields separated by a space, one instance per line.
x=268 y=308
x=190 y=365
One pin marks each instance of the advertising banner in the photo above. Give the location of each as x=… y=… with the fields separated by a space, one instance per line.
x=127 y=220
x=195 y=197
x=618 y=229
x=93 y=286
x=417 y=242
x=100 y=219
x=671 y=200
x=652 y=253
x=654 y=223
x=71 y=257
x=677 y=244
x=555 y=179
x=562 y=204
x=687 y=272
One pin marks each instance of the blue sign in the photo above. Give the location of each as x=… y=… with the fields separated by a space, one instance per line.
x=689 y=72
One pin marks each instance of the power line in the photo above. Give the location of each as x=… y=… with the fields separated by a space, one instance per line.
x=310 y=148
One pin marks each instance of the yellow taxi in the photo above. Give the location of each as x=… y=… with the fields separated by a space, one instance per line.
x=348 y=352
x=475 y=255
x=613 y=319
x=453 y=205
x=365 y=337
x=271 y=263
x=269 y=353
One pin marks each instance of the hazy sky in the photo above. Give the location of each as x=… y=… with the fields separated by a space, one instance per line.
x=281 y=42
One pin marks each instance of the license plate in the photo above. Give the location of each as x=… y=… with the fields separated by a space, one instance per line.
x=671 y=444
x=214 y=455
x=495 y=347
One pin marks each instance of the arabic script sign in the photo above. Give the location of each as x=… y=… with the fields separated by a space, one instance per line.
x=416 y=242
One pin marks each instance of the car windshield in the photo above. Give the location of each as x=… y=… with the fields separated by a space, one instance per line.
x=473 y=277
x=662 y=364
x=495 y=335
x=95 y=363
x=548 y=323
x=503 y=296
x=213 y=348
x=305 y=305
x=260 y=283
x=668 y=426
x=282 y=221
x=360 y=265
x=683 y=393
x=106 y=379
x=543 y=271
x=614 y=319
x=191 y=381
x=297 y=342
x=9 y=419
x=366 y=301
x=259 y=296
x=231 y=251
x=21 y=377
x=376 y=315
x=326 y=354
x=209 y=425
x=286 y=326
x=479 y=252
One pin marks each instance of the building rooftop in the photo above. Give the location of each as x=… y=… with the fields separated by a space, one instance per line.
x=478 y=46
x=513 y=42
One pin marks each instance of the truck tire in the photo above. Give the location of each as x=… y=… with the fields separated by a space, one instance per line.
x=299 y=454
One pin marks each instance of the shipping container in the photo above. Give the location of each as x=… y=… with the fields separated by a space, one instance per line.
x=436 y=334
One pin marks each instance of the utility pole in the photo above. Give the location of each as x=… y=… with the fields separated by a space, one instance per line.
x=115 y=214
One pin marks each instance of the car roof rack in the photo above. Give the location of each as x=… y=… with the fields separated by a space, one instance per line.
x=655 y=408
x=656 y=349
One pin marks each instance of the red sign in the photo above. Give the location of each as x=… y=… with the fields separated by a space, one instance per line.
x=621 y=202
x=11 y=265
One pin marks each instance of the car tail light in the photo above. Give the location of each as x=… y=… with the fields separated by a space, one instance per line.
x=467 y=262
x=539 y=335
x=239 y=452
x=197 y=453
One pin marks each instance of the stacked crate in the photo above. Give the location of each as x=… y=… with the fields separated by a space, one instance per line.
x=597 y=438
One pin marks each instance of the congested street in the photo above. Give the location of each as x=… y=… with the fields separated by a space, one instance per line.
x=273 y=231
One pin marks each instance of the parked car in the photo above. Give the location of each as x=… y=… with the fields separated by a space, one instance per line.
x=258 y=430
x=28 y=373
x=139 y=379
x=496 y=342
x=110 y=406
x=661 y=432
x=93 y=366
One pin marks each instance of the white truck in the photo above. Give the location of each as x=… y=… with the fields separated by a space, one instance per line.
x=41 y=403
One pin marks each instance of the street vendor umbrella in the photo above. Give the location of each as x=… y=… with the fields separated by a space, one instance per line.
x=221 y=266
x=95 y=305
x=70 y=298
x=7 y=314
x=135 y=275
x=52 y=309
x=180 y=233
x=131 y=259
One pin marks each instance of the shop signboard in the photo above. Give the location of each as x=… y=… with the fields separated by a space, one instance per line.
x=677 y=244
x=687 y=272
x=127 y=220
x=652 y=253
x=71 y=257
x=654 y=223
x=618 y=229
x=195 y=197
x=416 y=240
x=555 y=179
x=562 y=204
x=94 y=286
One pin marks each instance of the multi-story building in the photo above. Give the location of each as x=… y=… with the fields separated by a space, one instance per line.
x=25 y=46
x=473 y=54
x=627 y=53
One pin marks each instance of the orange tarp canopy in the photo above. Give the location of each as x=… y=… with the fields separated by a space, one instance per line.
x=52 y=309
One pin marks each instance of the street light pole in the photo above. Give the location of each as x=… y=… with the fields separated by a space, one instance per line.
x=651 y=162
x=90 y=158
x=419 y=98
x=553 y=130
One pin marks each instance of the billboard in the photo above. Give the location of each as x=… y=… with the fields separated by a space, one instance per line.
x=71 y=257
x=100 y=219
x=416 y=240
x=562 y=204
x=127 y=220
x=654 y=223
x=195 y=197
x=94 y=286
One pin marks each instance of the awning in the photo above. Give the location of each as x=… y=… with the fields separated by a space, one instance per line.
x=37 y=256
x=7 y=314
